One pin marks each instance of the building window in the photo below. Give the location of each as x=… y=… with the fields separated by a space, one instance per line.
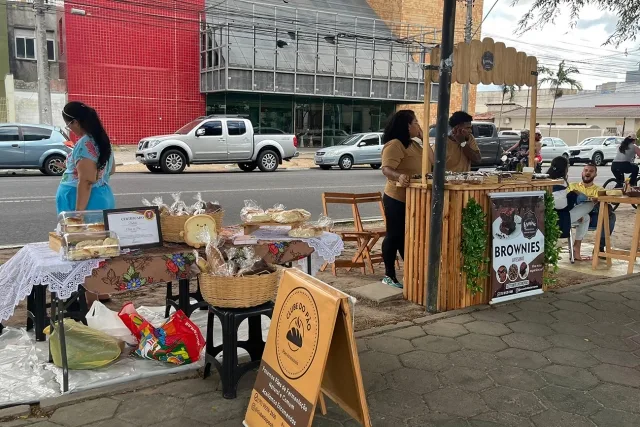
x=435 y=90
x=26 y=48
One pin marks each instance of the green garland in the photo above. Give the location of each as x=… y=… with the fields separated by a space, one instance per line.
x=474 y=245
x=551 y=235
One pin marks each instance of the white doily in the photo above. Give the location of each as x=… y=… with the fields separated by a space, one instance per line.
x=329 y=246
x=37 y=265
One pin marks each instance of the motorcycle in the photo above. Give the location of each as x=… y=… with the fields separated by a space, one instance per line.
x=514 y=162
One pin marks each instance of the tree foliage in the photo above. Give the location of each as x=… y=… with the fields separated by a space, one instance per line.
x=544 y=12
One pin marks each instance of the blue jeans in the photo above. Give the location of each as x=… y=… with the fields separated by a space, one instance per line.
x=101 y=198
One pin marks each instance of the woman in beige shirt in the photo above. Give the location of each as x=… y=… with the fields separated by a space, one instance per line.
x=401 y=158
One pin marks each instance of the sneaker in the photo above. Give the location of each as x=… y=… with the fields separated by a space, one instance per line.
x=392 y=282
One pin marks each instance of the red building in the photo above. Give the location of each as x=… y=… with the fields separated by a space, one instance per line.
x=135 y=62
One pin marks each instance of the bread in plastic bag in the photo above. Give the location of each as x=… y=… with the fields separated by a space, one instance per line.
x=252 y=213
x=87 y=348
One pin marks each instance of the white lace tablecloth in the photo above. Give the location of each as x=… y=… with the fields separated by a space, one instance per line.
x=37 y=265
x=326 y=248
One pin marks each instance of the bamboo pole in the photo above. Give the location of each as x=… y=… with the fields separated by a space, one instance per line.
x=426 y=164
x=532 y=125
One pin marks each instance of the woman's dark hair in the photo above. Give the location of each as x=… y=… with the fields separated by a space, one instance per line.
x=559 y=168
x=624 y=145
x=398 y=127
x=89 y=121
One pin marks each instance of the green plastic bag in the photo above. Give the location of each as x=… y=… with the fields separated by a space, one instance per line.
x=87 y=348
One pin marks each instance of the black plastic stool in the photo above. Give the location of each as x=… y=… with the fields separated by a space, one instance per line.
x=231 y=318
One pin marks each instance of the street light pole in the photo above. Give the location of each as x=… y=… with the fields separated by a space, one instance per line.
x=467 y=39
x=44 y=77
x=442 y=131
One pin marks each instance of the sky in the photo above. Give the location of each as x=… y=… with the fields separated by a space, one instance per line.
x=581 y=46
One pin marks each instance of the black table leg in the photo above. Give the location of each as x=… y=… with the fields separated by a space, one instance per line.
x=40 y=314
x=309 y=270
x=184 y=298
x=58 y=318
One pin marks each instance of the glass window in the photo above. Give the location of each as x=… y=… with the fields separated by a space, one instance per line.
x=51 y=50
x=485 y=131
x=31 y=48
x=188 y=127
x=9 y=133
x=308 y=122
x=35 y=134
x=20 y=48
x=236 y=127
x=276 y=112
x=338 y=118
x=370 y=140
x=595 y=141
x=213 y=128
x=560 y=143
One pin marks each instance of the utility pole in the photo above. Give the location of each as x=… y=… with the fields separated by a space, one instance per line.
x=44 y=77
x=467 y=39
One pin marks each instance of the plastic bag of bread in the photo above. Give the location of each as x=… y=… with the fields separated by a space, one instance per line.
x=312 y=229
x=276 y=209
x=214 y=263
x=178 y=207
x=252 y=213
x=291 y=216
x=614 y=193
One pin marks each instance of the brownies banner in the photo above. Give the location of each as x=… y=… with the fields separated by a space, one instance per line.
x=517 y=252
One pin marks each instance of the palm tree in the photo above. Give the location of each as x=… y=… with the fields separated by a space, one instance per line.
x=506 y=89
x=557 y=79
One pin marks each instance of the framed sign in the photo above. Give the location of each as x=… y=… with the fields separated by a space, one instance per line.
x=137 y=228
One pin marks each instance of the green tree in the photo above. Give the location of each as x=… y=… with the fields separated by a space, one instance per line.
x=638 y=133
x=558 y=79
x=511 y=91
x=543 y=12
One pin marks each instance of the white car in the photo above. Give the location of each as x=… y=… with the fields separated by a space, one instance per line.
x=552 y=148
x=600 y=150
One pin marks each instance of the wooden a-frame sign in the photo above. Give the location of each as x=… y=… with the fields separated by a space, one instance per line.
x=310 y=351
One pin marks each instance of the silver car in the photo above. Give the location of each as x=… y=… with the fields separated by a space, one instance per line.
x=25 y=146
x=552 y=148
x=357 y=149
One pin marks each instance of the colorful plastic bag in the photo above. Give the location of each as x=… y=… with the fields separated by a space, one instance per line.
x=87 y=348
x=132 y=320
x=108 y=321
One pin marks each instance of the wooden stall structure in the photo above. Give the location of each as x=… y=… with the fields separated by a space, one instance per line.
x=477 y=62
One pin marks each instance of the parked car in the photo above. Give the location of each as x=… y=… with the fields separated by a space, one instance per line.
x=357 y=149
x=490 y=144
x=552 y=148
x=27 y=146
x=216 y=140
x=599 y=150
x=509 y=133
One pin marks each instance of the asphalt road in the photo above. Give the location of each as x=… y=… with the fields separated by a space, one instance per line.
x=27 y=202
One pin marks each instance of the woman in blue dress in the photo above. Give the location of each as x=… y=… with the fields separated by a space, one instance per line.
x=85 y=182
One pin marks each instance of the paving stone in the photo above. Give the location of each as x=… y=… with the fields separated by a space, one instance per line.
x=408 y=333
x=526 y=342
x=616 y=357
x=574 y=296
x=20 y=422
x=568 y=400
x=506 y=308
x=611 y=329
x=606 y=296
x=399 y=405
x=498 y=419
x=633 y=304
x=483 y=343
x=461 y=319
x=631 y=295
x=182 y=422
x=377 y=419
x=445 y=329
x=436 y=420
x=320 y=421
x=86 y=412
x=413 y=380
x=608 y=306
x=362 y=345
x=505 y=399
x=377 y=292
x=531 y=328
x=455 y=402
x=569 y=376
x=611 y=418
x=488 y=328
x=551 y=418
x=573 y=317
x=437 y=344
x=521 y=379
x=15 y=411
x=426 y=361
x=615 y=343
x=375 y=361
x=534 y=316
x=474 y=359
x=578 y=307
x=619 y=397
x=571 y=329
x=390 y=345
x=373 y=381
x=539 y=306
x=571 y=341
x=493 y=316
x=208 y=408
x=334 y=411
x=522 y=358
x=469 y=379
x=617 y=374
x=567 y=356
x=45 y=424
x=185 y=388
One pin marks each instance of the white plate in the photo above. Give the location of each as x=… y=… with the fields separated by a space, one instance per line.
x=500 y=235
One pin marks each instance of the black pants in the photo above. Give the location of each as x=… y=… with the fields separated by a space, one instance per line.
x=620 y=168
x=394 y=211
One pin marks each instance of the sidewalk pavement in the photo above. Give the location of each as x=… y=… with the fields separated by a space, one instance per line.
x=566 y=359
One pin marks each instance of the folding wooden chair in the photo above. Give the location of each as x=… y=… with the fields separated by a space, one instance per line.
x=365 y=238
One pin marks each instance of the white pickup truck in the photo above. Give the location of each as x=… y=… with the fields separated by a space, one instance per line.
x=216 y=140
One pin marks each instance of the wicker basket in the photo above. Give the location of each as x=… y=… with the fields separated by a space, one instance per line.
x=172 y=226
x=239 y=292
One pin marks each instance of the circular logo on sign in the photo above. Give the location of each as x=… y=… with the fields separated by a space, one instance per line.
x=297 y=333
x=487 y=61
x=149 y=214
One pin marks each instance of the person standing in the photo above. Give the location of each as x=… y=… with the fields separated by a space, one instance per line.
x=624 y=161
x=462 y=148
x=89 y=166
x=401 y=158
